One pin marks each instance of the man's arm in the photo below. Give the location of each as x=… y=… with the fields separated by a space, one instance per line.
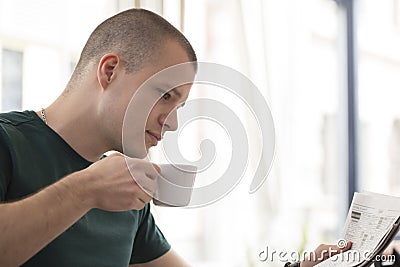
x=28 y=225
x=169 y=259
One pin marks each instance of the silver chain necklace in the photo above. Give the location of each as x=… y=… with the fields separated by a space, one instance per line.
x=43 y=116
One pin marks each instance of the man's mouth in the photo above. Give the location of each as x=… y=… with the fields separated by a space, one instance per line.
x=154 y=137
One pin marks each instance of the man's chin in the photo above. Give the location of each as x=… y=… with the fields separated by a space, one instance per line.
x=137 y=153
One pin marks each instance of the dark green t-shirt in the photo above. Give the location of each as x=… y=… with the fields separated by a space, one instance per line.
x=33 y=156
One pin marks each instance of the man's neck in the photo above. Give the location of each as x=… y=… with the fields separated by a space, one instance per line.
x=73 y=117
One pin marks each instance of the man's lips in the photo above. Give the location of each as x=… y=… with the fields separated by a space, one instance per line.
x=154 y=137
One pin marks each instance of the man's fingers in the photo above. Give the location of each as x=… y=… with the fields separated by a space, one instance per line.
x=343 y=249
x=156 y=167
x=347 y=247
x=146 y=184
x=337 y=250
x=152 y=171
x=149 y=189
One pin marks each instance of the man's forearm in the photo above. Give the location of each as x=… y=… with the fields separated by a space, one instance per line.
x=28 y=225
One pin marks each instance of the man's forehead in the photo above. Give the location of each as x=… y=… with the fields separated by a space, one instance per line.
x=179 y=77
x=185 y=71
x=176 y=87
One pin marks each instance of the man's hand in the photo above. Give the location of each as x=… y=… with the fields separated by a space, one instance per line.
x=119 y=183
x=323 y=252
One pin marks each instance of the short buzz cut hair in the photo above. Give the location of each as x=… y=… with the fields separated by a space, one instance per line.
x=136 y=35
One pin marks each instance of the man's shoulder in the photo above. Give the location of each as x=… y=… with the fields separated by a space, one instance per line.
x=16 y=125
x=16 y=118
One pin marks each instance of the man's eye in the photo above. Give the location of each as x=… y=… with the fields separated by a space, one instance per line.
x=166 y=96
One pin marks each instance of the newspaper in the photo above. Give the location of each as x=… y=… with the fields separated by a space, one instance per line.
x=371 y=224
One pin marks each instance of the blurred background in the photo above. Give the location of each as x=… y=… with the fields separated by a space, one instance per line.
x=330 y=71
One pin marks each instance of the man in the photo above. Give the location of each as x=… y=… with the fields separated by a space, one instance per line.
x=61 y=205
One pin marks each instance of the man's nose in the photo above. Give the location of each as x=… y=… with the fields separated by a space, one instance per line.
x=170 y=121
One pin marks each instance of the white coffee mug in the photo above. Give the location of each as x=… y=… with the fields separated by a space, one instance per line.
x=175 y=185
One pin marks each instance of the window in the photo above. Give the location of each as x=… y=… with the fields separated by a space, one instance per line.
x=379 y=114
x=396 y=13
x=11 y=77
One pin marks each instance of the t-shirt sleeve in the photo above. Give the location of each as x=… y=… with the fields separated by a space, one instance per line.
x=5 y=166
x=150 y=242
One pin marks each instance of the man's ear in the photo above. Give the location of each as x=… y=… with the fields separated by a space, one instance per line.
x=106 y=71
